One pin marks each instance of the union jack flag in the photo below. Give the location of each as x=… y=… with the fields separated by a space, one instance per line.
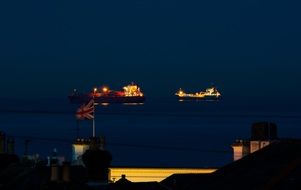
x=86 y=111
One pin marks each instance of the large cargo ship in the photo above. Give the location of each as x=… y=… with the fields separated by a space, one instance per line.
x=209 y=94
x=130 y=94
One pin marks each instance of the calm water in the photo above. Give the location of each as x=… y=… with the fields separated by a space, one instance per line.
x=161 y=132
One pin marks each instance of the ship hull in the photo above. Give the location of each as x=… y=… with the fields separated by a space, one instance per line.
x=107 y=99
x=206 y=98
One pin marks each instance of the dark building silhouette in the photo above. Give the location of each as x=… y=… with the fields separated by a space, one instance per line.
x=262 y=135
x=277 y=166
x=7 y=156
x=20 y=175
x=124 y=184
x=2 y=142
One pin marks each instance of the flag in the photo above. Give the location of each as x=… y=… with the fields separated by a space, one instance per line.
x=86 y=111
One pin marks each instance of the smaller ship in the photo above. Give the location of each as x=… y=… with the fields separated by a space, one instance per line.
x=130 y=94
x=210 y=94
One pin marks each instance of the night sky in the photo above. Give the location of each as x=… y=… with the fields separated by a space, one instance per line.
x=246 y=48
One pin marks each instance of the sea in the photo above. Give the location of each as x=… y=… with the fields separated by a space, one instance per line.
x=162 y=132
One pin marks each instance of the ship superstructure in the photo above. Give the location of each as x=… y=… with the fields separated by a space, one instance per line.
x=210 y=93
x=132 y=90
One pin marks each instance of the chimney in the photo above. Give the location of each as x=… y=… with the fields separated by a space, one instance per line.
x=54 y=173
x=2 y=142
x=54 y=164
x=66 y=171
x=240 y=148
x=264 y=131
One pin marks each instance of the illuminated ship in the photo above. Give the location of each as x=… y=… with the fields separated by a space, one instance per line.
x=130 y=94
x=209 y=94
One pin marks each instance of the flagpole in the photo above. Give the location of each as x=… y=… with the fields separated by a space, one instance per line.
x=93 y=125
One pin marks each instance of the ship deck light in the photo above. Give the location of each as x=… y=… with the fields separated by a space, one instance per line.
x=105 y=89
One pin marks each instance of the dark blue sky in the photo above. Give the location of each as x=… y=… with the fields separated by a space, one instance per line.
x=250 y=47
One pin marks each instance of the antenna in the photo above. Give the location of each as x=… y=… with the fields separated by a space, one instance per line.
x=26 y=144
